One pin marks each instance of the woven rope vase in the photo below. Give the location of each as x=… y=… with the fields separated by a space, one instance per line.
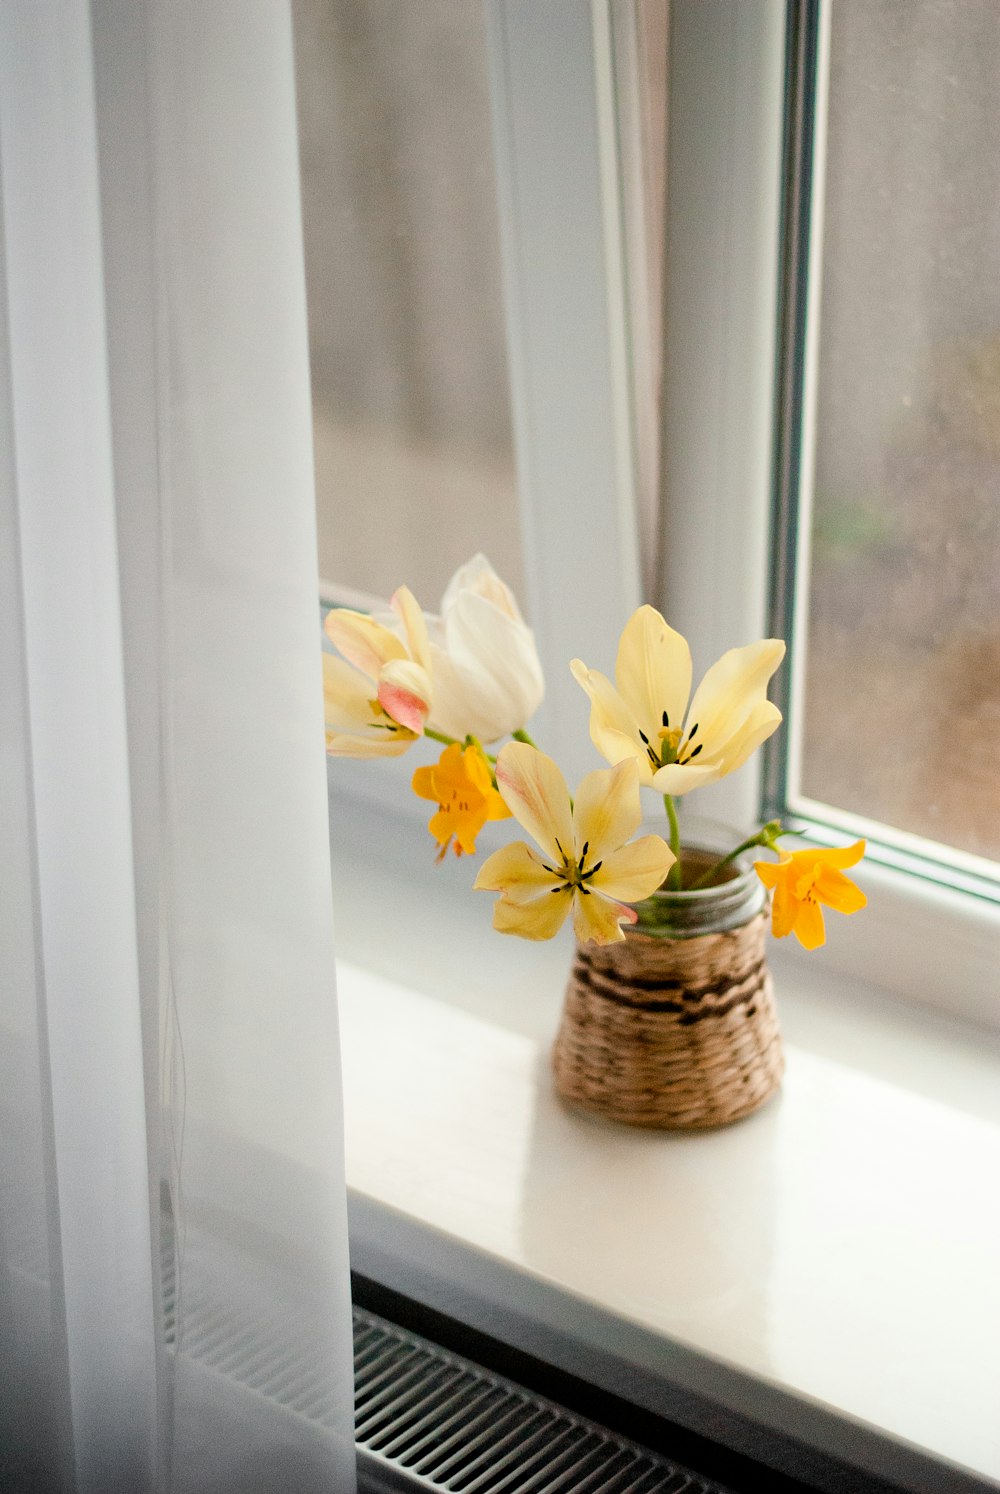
x=675 y=1026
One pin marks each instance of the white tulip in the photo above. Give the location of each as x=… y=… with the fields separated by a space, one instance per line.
x=487 y=679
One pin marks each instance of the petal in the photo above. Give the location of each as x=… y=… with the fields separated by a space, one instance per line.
x=613 y=729
x=364 y=642
x=404 y=693
x=634 y=871
x=479 y=576
x=808 y=925
x=379 y=744
x=606 y=810
x=680 y=778
x=784 y=911
x=347 y=695
x=839 y=892
x=422 y=784
x=653 y=671
x=535 y=792
x=496 y=809
x=598 y=919
x=450 y=708
x=768 y=871
x=732 y=688
x=407 y=609
x=540 y=919
x=839 y=856
x=515 y=871
x=496 y=659
x=756 y=728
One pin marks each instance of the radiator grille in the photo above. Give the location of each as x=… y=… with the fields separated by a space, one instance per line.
x=452 y=1427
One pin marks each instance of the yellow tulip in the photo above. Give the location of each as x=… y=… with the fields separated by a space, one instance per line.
x=680 y=746
x=376 y=702
x=585 y=866
x=804 y=881
x=461 y=785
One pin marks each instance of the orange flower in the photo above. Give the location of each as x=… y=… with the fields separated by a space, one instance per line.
x=802 y=882
x=461 y=785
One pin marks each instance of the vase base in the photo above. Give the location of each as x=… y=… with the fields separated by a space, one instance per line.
x=666 y=1051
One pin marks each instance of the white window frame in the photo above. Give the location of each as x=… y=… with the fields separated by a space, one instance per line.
x=551 y=70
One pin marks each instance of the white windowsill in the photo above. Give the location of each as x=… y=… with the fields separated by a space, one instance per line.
x=827 y=1269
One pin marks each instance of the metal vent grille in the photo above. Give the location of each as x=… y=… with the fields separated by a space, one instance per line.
x=452 y=1427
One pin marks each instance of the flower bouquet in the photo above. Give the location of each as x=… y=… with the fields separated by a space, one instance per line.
x=669 y=1016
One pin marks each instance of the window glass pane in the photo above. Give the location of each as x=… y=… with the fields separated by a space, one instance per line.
x=414 y=455
x=902 y=677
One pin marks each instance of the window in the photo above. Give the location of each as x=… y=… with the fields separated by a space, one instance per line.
x=893 y=500
x=579 y=229
x=411 y=403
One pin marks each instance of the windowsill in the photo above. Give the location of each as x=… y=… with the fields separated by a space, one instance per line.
x=824 y=1271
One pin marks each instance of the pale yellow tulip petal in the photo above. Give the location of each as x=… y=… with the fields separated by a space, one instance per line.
x=731 y=689
x=755 y=729
x=407 y=609
x=680 y=778
x=515 y=871
x=597 y=919
x=808 y=926
x=634 y=871
x=653 y=671
x=364 y=642
x=347 y=695
x=613 y=729
x=839 y=892
x=535 y=792
x=378 y=744
x=539 y=919
x=606 y=810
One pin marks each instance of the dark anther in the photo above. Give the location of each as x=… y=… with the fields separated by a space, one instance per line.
x=586 y=848
x=666 y=719
x=692 y=732
x=696 y=751
x=595 y=868
x=644 y=736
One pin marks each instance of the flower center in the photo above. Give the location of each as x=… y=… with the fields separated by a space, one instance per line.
x=573 y=874
x=673 y=746
x=382 y=719
x=804 y=890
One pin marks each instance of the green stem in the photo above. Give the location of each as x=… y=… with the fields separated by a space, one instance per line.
x=522 y=736
x=439 y=736
x=765 y=836
x=674 y=875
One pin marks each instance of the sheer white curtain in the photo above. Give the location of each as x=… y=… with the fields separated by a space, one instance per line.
x=174 y=1291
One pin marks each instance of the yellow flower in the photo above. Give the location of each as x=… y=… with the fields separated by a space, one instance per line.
x=461 y=785
x=585 y=864
x=805 y=880
x=678 y=746
x=376 y=702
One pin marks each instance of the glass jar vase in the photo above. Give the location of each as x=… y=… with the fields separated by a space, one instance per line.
x=675 y=1026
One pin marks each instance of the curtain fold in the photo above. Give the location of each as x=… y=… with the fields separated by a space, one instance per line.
x=175 y=1309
